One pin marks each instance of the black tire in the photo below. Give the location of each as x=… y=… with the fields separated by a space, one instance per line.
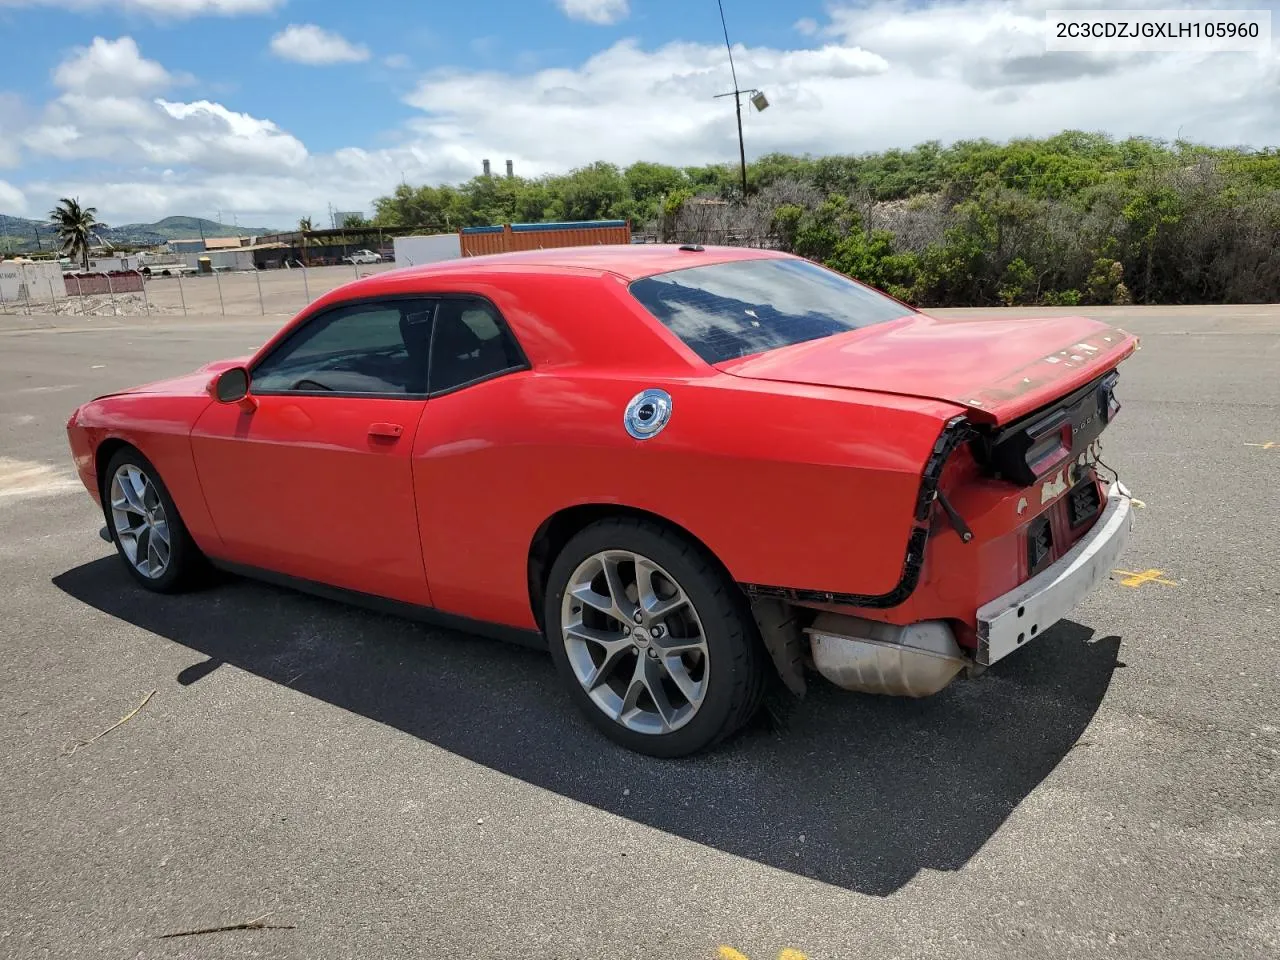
x=737 y=677
x=187 y=565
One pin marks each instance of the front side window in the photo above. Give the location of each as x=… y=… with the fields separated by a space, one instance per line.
x=376 y=348
x=724 y=311
x=471 y=343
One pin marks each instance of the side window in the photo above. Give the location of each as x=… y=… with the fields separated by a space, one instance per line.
x=471 y=342
x=375 y=348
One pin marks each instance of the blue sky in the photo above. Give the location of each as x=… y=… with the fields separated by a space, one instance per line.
x=356 y=102
x=271 y=109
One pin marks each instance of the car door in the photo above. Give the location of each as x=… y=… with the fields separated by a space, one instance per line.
x=312 y=478
x=461 y=465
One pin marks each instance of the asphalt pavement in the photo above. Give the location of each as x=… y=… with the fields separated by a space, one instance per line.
x=368 y=787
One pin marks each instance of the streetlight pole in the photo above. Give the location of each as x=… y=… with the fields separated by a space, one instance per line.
x=758 y=99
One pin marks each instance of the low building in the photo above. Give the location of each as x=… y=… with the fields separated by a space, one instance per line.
x=226 y=243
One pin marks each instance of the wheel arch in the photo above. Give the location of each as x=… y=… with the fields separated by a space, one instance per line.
x=107 y=449
x=559 y=528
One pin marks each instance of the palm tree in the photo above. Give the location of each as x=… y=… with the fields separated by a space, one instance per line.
x=304 y=227
x=75 y=225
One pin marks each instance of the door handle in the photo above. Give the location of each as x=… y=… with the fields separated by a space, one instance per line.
x=385 y=431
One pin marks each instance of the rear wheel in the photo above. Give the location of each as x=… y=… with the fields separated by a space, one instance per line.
x=655 y=643
x=145 y=526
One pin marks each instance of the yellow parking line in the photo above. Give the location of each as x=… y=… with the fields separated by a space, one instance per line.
x=1270 y=444
x=1133 y=579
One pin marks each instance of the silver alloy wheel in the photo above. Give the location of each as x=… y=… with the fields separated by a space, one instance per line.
x=635 y=642
x=140 y=521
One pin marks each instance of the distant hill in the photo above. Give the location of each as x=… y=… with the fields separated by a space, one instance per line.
x=182 y=228
x=18 y=235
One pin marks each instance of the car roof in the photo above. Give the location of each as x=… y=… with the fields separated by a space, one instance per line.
x=628 y=261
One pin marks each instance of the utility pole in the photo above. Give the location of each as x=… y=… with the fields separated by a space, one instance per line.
x=758 y=100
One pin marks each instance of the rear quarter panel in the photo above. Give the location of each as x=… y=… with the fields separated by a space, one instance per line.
x=787 y=485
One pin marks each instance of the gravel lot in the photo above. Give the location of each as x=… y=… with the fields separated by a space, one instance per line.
x=382 y=789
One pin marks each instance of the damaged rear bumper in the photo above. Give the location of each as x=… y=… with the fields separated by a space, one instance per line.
x=919 y=659
x=1014 y=619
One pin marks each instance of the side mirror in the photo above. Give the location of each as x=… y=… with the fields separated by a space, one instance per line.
x=232 y=385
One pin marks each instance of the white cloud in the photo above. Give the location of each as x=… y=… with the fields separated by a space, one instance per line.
x=107 y=111
x=309 y=44
x=162 y=9
x=110 y=67
x=396 y=61
x=12 y=200
x=806 y=25
x=213 y=137
x=203 y=136
x=131 y=115
x=603 y=12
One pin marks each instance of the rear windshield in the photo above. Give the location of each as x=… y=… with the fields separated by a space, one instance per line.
x=729 y=310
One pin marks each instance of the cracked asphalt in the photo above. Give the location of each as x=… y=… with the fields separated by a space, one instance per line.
x=383 y=789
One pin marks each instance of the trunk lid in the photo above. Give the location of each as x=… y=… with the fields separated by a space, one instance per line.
x=998 y=369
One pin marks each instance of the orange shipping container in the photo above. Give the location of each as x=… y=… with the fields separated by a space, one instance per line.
x=477 y=241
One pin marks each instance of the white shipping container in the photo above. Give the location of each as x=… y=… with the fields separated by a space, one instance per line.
x=117 y=264
x=414 y=251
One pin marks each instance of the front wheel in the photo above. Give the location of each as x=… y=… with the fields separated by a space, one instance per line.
x=145 y=525
x=653 y=639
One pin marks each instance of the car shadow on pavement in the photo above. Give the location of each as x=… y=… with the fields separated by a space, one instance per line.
x=858 y=791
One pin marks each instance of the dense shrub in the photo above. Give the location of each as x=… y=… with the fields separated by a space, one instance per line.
x=1072 y=219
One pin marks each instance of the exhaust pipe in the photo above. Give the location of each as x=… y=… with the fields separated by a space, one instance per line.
x=872 y=657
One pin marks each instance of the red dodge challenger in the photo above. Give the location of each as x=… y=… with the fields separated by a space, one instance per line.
x=686 y=471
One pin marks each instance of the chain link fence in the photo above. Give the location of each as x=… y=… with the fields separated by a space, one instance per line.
x=241 y=293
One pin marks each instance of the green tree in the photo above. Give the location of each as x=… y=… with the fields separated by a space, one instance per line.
x=649 y=183
x=597 y=191
x=432 y=208
x=1018 y=277
x=75 y=226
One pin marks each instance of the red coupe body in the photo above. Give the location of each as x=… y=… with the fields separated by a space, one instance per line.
x=811 y=470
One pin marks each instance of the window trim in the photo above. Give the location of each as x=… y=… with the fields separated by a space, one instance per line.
x=434 y=297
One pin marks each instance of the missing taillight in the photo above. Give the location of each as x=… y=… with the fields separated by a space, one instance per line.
x=1050 y=452
x=1031 y=449
x=1108 y=405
